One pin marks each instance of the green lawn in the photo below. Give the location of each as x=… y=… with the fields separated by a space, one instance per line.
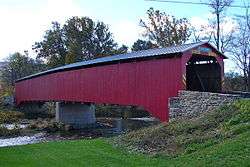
x=231 y=152
x=218 y=138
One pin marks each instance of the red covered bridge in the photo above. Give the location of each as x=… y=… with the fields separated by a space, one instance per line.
x=144 y=78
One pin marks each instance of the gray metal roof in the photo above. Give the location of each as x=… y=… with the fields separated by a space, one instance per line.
x=133 y=55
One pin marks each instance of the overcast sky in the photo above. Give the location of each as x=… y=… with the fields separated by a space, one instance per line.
x=24 y=22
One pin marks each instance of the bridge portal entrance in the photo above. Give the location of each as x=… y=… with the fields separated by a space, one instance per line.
x=203 y=73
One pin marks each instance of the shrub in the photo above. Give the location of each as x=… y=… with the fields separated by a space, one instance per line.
x=120 y=111
x=10 y=116
x=37 y=110
x=48 y=125
x=5 y=132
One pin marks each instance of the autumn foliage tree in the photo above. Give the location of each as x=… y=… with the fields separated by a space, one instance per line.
x=165 y=30
x=234 y=82
x=142 y=45
x=80 y=38
x=19 y=65
x=52 y=47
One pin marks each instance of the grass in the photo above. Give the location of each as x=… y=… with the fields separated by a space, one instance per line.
x=220 y=138
x=231 y=152
x=186 y=136
x=72 y=153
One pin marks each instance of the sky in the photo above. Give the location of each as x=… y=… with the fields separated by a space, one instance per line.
x=23 y=22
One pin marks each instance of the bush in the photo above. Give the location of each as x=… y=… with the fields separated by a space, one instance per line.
x=10 y=116
x=38 y=110
x=48 y=125
x=5 y=132
x=120 y=111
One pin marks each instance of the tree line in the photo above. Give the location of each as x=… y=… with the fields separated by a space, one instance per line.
x=81 y=38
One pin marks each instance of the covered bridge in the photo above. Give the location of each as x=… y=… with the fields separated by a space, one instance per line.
x=145 y=78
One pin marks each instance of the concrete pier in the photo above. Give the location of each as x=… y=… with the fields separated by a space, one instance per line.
x=78 y=115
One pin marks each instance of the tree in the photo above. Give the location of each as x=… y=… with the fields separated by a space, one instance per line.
x=80 y=38
x=216 y=30
x=233 y=82
x=18 y=66
x=240 y=47
x=121 y=50
x=142 y=45
x=219 y=6
x=103 y=42
x=52 y=47
x=165 y=30
x=73 y=52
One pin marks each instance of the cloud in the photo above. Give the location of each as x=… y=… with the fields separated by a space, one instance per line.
x=126 y=32
x=227 y=25
x=22 y=25
x=198 y=21
x=61 y=9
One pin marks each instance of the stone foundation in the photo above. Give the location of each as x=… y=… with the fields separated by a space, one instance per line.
x=78 y=115
x=191 y=104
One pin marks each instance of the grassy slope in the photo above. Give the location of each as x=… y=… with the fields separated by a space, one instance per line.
x=232 y=152
x=187 y=136
x=217 y=139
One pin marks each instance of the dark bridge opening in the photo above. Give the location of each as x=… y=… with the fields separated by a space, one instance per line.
x=203 y=73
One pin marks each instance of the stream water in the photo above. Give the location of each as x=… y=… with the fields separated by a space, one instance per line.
x=106 y=127
x=12 y=126
x=22 y=140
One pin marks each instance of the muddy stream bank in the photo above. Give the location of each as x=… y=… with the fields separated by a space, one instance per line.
x=105 y=127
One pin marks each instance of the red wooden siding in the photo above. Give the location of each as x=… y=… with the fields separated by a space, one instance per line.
x=144 y=83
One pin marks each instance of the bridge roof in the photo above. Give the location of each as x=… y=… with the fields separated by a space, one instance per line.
x=167 y=52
